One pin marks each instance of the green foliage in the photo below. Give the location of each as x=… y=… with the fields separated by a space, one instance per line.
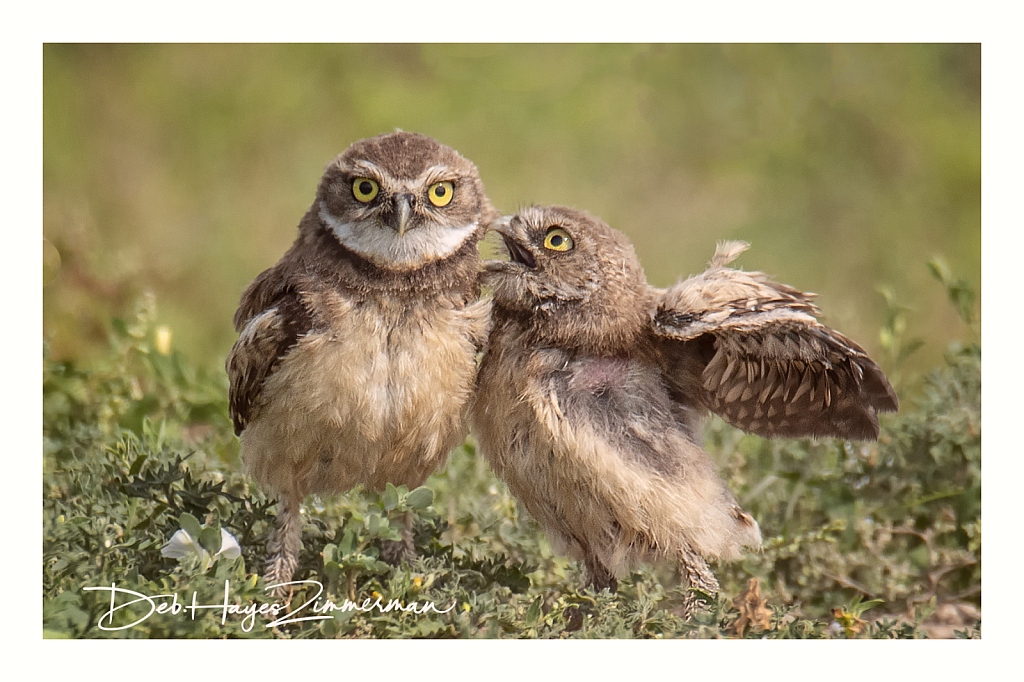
x=877 y=540
x=960 y=293
x=894 y=520
x=892 y=336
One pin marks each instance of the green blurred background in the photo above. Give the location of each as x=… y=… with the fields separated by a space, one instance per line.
x=184 y=169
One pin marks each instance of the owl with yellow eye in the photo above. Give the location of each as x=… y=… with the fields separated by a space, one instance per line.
x=356 y=354
x=591 y=395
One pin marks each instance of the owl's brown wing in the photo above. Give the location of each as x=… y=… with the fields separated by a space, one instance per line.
x=751 y=350
x=270 y=320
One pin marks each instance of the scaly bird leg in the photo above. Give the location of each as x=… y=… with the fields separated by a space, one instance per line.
x=284 y=545
x=395 y=552
x=696 y=576
x=599 y=575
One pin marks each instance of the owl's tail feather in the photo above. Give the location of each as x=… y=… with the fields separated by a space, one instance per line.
x=700 y=583
x=284 y=545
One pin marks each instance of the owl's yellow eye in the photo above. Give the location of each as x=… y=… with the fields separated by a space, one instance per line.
x=558 y=239
x=364 y=189
x=441 y=193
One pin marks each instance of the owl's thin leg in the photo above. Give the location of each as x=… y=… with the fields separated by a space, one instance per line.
x=696 y=576
x=284 y=545
x=395 y=552
x=599 y=575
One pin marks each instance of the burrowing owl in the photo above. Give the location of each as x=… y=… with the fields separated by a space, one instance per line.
x=593 y=390
x=355 y=359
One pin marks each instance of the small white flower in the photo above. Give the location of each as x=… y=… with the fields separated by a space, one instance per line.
x=182 y=545
x=229 y=546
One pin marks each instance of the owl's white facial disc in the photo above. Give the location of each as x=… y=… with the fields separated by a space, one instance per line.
x=386 y=248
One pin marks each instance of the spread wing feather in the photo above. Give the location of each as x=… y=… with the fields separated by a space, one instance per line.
x=751 y=350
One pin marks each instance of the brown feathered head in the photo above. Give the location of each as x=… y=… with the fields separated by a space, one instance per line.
x=403 y=200
x=576 y=280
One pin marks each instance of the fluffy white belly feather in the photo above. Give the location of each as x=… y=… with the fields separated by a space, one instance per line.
x=380 y=398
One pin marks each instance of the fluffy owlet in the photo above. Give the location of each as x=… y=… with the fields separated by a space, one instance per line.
x=593 y=389
x=356 y=354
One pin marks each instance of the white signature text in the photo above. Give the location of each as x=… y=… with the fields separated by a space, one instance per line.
x=281 y=614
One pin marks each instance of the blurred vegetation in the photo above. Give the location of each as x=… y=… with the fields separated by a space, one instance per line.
x=184 y=169
x=175 y=173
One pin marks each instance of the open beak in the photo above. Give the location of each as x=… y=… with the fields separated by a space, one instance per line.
x=517 y=253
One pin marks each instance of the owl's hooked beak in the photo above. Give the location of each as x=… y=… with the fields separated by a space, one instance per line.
x=403 y=211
